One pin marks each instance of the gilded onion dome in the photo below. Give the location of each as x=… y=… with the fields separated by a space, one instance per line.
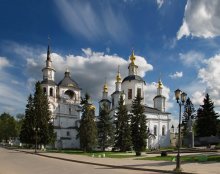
x=105 y=88
x=118 y=77
x=132 y=57
x=160 y=84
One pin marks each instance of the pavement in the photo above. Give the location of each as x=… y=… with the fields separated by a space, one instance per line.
x=134 y=164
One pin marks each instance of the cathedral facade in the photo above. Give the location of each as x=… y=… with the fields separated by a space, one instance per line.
x=64 y=101
x=158 y=121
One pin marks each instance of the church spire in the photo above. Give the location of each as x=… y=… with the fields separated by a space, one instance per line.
x=118 y=77
x=48 y=61
x=132 y=57
x=159 y=87
x=132 y=67
x=105 y=87
x=48 y=50
x=118 y=81
x=48 y=71
x=105 y=91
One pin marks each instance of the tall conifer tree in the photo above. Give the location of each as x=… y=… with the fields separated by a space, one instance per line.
x=87 y=130
x=123 y=130
x=207 y=119
x=138 y=125
x=27 y=134
x=105 y=129
x=37 y=118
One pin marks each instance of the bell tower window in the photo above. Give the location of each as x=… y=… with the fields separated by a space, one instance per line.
x=51 y=91
x=69 y=94
x=129 y=93
x=45 y=90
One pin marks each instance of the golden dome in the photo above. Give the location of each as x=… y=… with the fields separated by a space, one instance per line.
x=160 y=84
x=105 y=88
x=132 y=57
x=118 y=77
x=91 y=107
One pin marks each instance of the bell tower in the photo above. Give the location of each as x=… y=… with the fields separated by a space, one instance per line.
x=159 y=99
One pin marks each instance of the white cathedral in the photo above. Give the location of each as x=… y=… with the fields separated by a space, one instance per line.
x=64 y=99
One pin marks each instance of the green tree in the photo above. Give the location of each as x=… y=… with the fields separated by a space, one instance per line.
x=123 y=130
x=105 y=128
x=87 y=130
x=19 y=122
x=188 y=116
x=138 y=125
x=207 y=119
x=43 y=116
x=7 y=127
x=27 y=134
x=37 y=118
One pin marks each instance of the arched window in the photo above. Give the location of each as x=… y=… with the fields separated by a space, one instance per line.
x=163 y=130
x=69 y=94
x=45 y=90
x=113 y=102
x=51 y=91
x=129 y=94
x=155 y=130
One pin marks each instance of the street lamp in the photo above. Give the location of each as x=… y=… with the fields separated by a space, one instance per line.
x=180 y=98
x=36 y=129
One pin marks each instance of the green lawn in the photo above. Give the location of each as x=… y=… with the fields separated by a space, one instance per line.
x=96 y=153
x=188 y=158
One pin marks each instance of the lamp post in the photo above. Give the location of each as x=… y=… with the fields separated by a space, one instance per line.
x=180 y=98
x=36 y=129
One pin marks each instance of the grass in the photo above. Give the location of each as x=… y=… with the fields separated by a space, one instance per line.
x=188 y=158
x=107 y=154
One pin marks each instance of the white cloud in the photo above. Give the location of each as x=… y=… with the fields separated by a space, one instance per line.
x=88 y=69
x=176 y=75
x=197 y=97
x=11 y=99
x=4 y=62
x=151 y=92
x=192 y=59
x=84 y=18
x=209 y=75
x=201 y=19
x=160 y=3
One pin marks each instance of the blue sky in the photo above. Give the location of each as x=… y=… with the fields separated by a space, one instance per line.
x=177 y=39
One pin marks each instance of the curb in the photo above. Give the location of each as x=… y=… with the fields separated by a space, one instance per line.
x=104 y=165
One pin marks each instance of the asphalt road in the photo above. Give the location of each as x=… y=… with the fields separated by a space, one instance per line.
x=14 y=162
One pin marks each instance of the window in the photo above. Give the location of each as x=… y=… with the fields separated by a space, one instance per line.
x=70 y=111
x=69 y=94
x=45 y=90
x=163 y=130
x=155 y=130
x=51 y=91
x=129 y=93
x=139 y=91
x=67 y=133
